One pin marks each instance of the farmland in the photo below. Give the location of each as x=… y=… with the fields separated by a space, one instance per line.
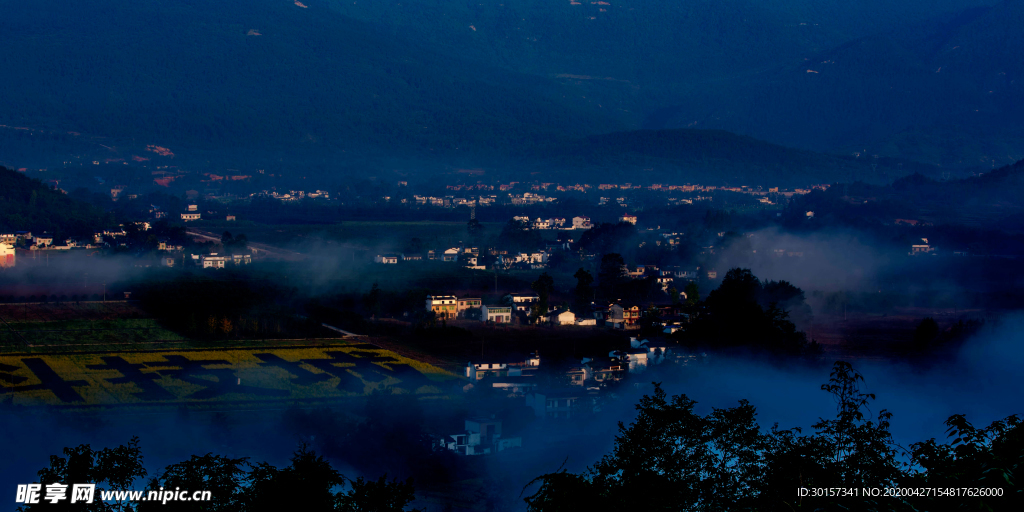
x=229 y=376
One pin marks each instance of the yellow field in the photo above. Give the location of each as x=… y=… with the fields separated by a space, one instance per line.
x=216 y=376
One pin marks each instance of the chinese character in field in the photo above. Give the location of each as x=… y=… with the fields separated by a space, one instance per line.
x=82 y=493
x=28 y=493
x=56 y=492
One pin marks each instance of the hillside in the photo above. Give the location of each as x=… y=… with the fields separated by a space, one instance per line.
x=264 y=77
x=30 y=205
x=432 y=84
x=714 y=157
x=946 y=92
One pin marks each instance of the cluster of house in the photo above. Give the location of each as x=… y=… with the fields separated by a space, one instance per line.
x=512 y=306
x=557 y=223
x=467 y=255
x=515 y=307
x=452 y=201
x=215 y=260
x=46 y=241
x=292 y=195
x=583 y=384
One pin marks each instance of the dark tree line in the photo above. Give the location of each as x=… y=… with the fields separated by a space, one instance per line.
x=671 y=459
x=309 y=483
x=745 y=311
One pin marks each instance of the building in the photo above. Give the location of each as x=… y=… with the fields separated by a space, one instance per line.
x=44 y=240
x=581 y=223
x=451 y=254
x=565 y=318
x=214 y=260
x=7 y=255
x=482 y=436
x=522 y=302
x=628 y=218
x=515 y=368
x=604 y=370
x=387 y=259
x=467 y=303
x=556 y=404
x=241 y=259
x=922 y=248
x=190 y=216
x=496 y=314
x=230 y=218
x=193 y=208
x=444 y=306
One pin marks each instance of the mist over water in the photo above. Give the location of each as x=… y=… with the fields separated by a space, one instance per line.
x=980 y=380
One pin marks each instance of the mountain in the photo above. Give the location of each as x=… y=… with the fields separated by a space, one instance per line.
x=711 y=157
x=321 y=83
x=277 y=78
x=947 y=92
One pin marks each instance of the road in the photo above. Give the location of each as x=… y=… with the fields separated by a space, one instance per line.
x=268 y=250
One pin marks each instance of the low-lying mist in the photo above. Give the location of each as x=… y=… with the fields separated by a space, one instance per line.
x=980 y=380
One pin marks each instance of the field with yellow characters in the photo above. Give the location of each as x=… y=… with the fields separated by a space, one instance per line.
x=215 y=376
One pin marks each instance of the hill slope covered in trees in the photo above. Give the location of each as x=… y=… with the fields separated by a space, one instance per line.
x=30 y=205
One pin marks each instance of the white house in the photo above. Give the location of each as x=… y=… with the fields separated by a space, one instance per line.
x=444 y=306
x=525 y=368
x=44 y=240
x=581 y=223
x=522 y=302
x=214 y=260
x=451 y=254
x=190 y=216
x=565 y=318
x=387 y=259
x=496 y=314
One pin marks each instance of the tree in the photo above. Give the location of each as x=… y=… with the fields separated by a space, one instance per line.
x=474 y=228
x=543 y=286
x=377 y=496
x=671 y=458
x=692 y=292
x=372 y=300
x=605 y=238
x=111 y=469
x=241 y=242
x=611 y=274
x=517 y=236
x=308 y=483
x=414 y=246
x=733 y=316
x=673 y=293
x=926 y=332
x=584 y=291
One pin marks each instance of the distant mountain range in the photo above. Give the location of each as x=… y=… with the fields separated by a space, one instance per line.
x=712 y=157
x=529 y=83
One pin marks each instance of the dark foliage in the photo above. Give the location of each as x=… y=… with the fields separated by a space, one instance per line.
x=29 y=205
x=743 y=311
x=671 y=458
